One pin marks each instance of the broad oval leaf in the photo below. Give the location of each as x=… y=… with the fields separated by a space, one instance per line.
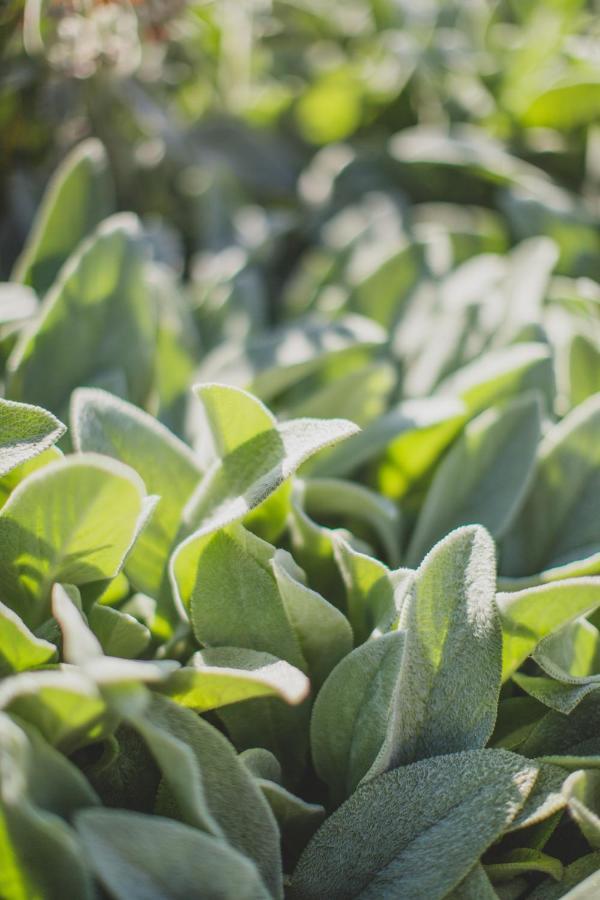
x=382 y=840
x=74 y=521
x=139 y=857
x=103 y=423
x=97 y=318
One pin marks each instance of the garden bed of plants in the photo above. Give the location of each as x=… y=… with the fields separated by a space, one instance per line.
x=300 y=453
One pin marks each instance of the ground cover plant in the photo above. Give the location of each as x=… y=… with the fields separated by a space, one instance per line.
x=300 y=482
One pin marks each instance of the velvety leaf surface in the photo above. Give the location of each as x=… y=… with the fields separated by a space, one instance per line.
x=450 y=673
x=382 y=840
x=61 y=524
x=139 y=857
x=25 y=432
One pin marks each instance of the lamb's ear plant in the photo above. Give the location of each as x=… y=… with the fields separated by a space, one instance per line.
x=308 y=611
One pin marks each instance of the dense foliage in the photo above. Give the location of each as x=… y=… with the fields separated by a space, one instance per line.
x=300 y=483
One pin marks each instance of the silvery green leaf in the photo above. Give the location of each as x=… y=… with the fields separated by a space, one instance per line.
x=91 y=324
x=476 y=886
x=255 y=454
x=25 y=432
x=558 y=525
x=139 y=857
x=40 y=852
x=236 y=602
x=545 y=800
x=322 y=631
x=119 y=633
x=382 y=840
x=501 y=375
x=483 y=477
x=78 y=197
x=104 y=424
x=20 y=649
x=338 y=499
x=569 y=661
x=352 y=713
x=64 y=518
x=225 y=675
x=313 y=547
x=582 y=792
x=534 y=613
x=432 y=422
x=231 y=797
x=567 y=741
x=369 y=587
x=269 y=364
x=449 y=681
x=9 y=482
x=65 y=705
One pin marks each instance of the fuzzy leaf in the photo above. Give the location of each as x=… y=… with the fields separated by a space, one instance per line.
x=382 y=840
x=138 y=857
x=352 y=713
x=224 y=675
x=483 y=478
x=25 y=432
x=255 y=455
x=105 y=424
x=61 y=524
x=450 y=676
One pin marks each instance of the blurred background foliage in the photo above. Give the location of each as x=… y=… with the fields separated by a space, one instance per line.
x=283 y=153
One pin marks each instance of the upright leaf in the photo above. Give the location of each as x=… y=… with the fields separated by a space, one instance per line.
x=483 y=478
x=97 y=318
x=105 y=424
x=451 y=664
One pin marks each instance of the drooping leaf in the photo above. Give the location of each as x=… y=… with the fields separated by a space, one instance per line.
x=223 y=675
x=233 y=799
